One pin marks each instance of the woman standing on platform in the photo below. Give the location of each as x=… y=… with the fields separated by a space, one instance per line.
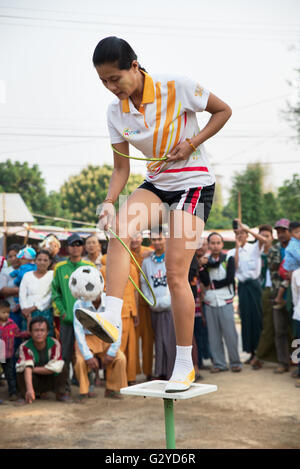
x=157 y=115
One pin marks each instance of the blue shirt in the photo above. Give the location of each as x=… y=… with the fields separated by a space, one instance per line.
x=292 y=255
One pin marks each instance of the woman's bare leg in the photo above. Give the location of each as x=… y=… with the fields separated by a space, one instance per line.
x=184 y=233
x=133 y=216
x=179 y=255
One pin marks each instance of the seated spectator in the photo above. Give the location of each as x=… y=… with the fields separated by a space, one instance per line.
x=53 y=245
x=154 y=268
x=35 y=291
x=218 y=277
x=93 y=250
x=8 y=331
x=40 y=367
x=89 y=348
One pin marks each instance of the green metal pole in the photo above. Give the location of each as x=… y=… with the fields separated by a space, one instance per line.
x=169 y=424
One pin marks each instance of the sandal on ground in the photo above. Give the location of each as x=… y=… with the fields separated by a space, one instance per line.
x=64 y=398
x=110 y=394
x=236 y=369
x=281 y=369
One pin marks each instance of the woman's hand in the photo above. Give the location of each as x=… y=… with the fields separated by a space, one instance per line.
x=181 y=152
x=106 y=216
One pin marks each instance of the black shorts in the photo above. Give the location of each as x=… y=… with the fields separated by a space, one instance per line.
x=196 y=200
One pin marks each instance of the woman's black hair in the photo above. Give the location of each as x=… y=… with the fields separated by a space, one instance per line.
x=46 y=252
x=39 y=319
x=4 y=303
x=113 y=49
x=14 y=247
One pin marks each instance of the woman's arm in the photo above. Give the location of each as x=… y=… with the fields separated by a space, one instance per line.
x=117 y=183
x=120 y=173
x=220 y=113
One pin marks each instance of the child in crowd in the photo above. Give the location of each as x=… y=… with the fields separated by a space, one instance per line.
x=27 y=257
x=8 y=331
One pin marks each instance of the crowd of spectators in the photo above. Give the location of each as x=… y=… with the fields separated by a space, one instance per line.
x=44 y=348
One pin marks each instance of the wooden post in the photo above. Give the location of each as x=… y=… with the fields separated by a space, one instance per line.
x=239 y=206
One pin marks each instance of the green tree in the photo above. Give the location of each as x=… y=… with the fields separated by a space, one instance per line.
x=270 y=208
x=54 y=208
x=292 y=111
x=81 y=194
x=250 y=185
x=25 y=180
x=289 y=199
x=217 y=220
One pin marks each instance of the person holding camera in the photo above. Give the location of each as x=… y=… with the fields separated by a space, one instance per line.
x=247 y=257
x=217 y=275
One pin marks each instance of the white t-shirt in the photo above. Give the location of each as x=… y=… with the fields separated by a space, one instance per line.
x=167 y=116
x=296 y=293
x=7 y=281
x=36 y=291
x=249 y=261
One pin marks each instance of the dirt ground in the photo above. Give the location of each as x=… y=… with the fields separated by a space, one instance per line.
x=251 y=409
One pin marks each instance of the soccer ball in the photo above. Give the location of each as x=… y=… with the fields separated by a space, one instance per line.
x=86 y=283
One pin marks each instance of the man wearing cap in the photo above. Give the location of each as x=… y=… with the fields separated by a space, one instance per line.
x=63 y=301
x=280 y=315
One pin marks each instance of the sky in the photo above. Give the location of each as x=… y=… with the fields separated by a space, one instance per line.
x=53 y=106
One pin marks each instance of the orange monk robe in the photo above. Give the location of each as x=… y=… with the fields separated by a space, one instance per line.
x=129 y=313
x=144 y=329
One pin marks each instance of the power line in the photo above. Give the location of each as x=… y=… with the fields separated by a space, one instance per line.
x=214 y=21
x=163 y=21
x=280 y=163
x=20 y=134
x=162 y=29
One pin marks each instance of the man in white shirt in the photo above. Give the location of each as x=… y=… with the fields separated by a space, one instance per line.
x=248 y=268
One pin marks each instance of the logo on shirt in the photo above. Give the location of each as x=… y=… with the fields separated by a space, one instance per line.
x=199 y=91
x=159 y=279
x=127 y=133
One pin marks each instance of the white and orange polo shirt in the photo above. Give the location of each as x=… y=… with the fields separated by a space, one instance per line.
x=167 y=116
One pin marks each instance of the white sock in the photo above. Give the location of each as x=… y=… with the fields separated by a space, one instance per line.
x=183 y=362
x=113 y=308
